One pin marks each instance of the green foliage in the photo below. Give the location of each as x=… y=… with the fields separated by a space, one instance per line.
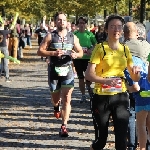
x=38 y=8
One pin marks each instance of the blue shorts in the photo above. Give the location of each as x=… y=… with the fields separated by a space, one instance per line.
x=57 y=82
x=142 y=108
x=142 y=103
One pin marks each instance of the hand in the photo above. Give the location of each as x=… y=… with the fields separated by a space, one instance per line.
x=47 y=61
x=59 y=53
x=44 y=18
x=89 y=51
x=136 y=69
x=73 y=54
x=111 y=81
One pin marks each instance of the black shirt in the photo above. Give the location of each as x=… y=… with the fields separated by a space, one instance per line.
x=3 y=35
x=41 y=34
x=100 y=37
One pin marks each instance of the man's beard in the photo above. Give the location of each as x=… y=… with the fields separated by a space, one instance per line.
x=60 y=28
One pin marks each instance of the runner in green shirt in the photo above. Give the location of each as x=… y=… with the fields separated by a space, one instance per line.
x=87 y=41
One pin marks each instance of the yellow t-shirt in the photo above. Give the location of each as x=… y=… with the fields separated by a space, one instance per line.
x=112 y=64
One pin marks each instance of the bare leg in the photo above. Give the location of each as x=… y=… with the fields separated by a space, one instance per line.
x=148 y=125
x=55 y=98
x=141 y=129
x=66 y=107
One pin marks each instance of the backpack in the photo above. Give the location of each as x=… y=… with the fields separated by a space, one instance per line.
x=104 y=52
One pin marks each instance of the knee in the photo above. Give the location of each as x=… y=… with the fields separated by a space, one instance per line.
x=66 y=97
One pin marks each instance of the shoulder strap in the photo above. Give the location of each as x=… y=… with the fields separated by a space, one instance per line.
x=70 y=37
x=125 y=50
x=71 y=34
x=104 y=52
x=54 y=33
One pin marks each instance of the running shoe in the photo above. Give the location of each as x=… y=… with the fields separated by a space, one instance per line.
x=63 y=131
x=57 y=112
x=8 y=80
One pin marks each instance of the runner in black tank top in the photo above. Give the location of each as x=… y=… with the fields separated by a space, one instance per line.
x=61 y=47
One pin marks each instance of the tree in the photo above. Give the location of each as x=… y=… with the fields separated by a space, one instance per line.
x=38 y=8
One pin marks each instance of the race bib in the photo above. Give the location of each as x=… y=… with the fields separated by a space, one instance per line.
x=85 y=49
x=62 y=71
x=117 y=88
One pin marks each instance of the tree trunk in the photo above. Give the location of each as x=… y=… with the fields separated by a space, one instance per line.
x=142 y=10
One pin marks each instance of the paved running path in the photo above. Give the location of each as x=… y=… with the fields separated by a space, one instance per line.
x=26 y=114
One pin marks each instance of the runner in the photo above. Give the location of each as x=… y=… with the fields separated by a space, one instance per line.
x=87 y=41
x=139 y=49
x=40 y=34
x=60 y=73
x=69 y=26
x=106 y=69
x=142 y=107
x=73 y=27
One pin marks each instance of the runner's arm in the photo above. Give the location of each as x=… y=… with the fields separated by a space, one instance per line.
x=77 y=47
x=131 y=85
x=90 y=74
x=134 y=72
x=42 y=51
x=134 y=88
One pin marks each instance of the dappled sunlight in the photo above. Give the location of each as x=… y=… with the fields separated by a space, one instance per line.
x=26 y=118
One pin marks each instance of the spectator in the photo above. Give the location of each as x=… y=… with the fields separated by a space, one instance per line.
x=13 y=40
x=28 y=35
x=4 y=50
x=73 y=27
x=100 y=34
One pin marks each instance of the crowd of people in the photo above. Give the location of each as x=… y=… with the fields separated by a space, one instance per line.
x=113 y=56
x=13 y=39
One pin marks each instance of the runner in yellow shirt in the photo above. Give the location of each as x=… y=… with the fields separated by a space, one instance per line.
x=106 y=69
